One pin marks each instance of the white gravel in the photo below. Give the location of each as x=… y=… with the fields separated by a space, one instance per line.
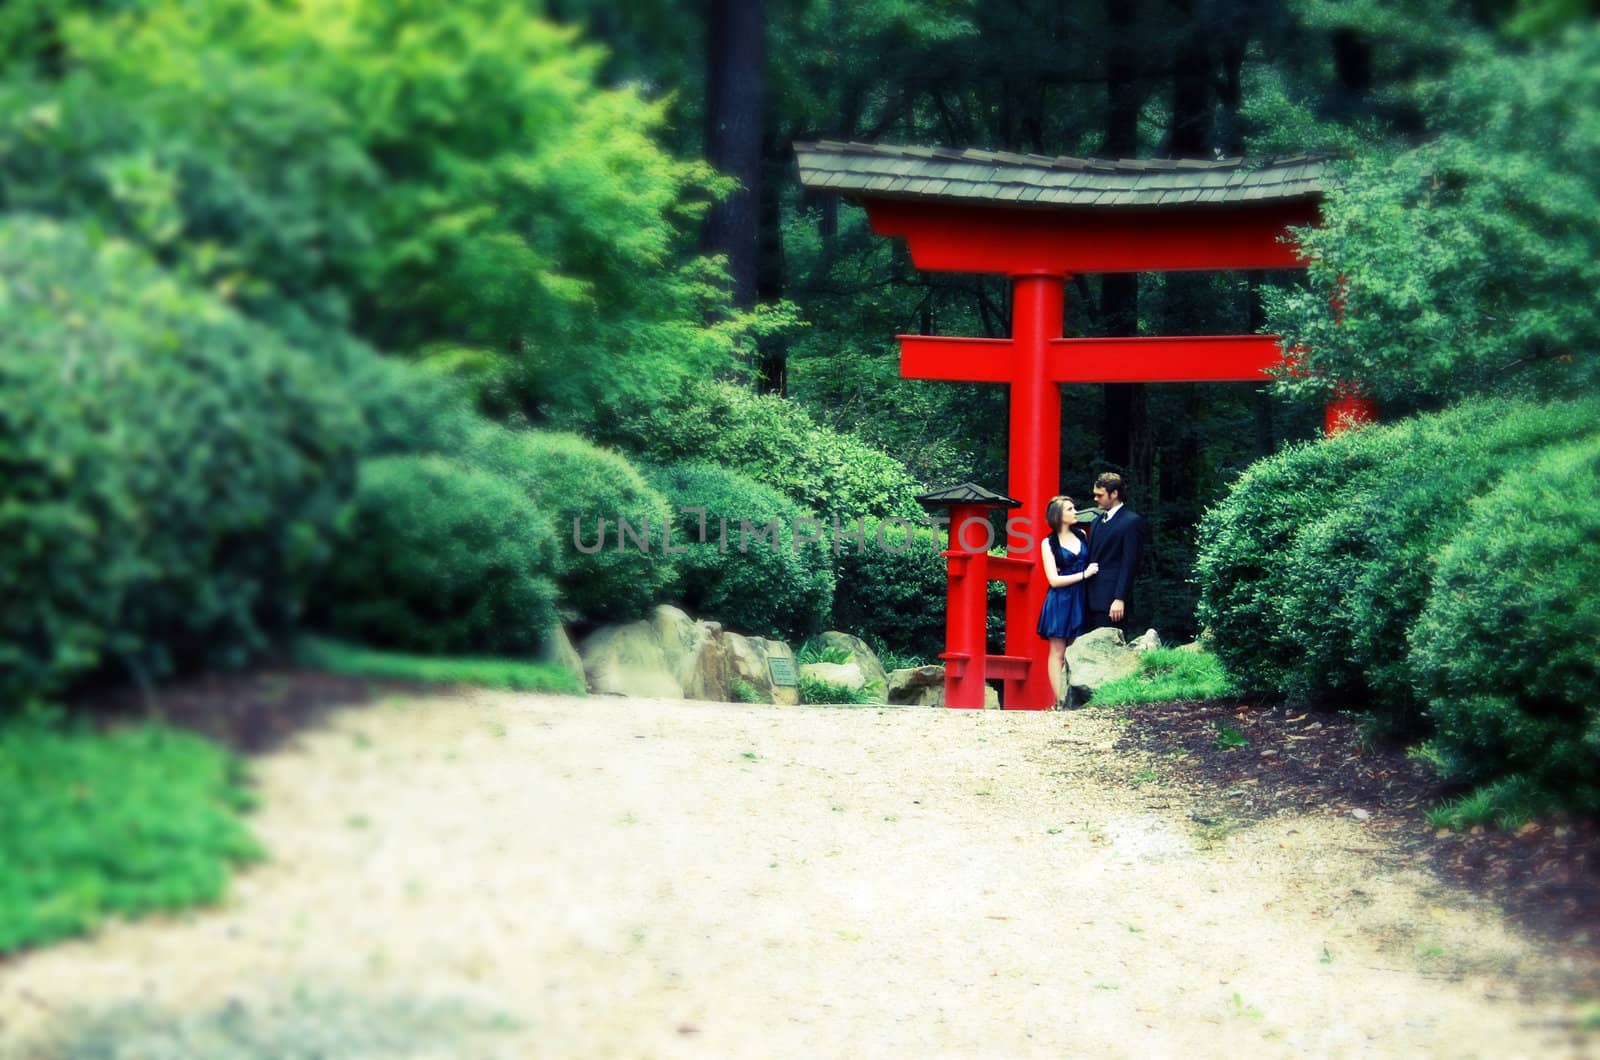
x=636 y=878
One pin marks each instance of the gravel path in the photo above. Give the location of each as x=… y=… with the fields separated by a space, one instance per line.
x=534 y=876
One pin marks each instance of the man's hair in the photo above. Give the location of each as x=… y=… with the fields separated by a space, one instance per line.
x=1053 y=512
x=1113 y=481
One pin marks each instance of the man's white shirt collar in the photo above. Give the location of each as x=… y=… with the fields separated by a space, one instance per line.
x=1113 y=510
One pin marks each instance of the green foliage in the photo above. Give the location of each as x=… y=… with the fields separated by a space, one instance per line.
x=745 y=692
x=171 y=472
x=1228 y=738
x=775 y=442
x=1357 y=577
x=1167 y=675
x=1245 y=541
x=814 y=652
x=586 y=490
x=513 y=675
x=442 y=558
x=449 y=183
x=776 y=583
x=1504 y=651
x=1506 y=804
x=1467 y=264
x=813 y=691
x=895 y=594
x=132 y=821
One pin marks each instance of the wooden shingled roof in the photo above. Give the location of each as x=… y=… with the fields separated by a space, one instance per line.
x=996 y=177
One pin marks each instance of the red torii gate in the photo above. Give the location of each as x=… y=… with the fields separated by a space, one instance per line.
x=1040 y=221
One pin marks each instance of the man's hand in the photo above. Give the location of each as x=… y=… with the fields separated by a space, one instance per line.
x=1115 y=614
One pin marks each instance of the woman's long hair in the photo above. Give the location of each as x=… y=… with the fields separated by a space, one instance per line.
x=1053 y=512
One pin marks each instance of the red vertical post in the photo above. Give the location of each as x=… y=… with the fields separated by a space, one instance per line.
x=967 y=606
x=1349 y=407
x=1036 y=318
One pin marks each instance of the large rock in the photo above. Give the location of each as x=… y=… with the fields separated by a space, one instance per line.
x=669 y=656
x=628 y=660
x=1149 y=640
x=923 y=686
x=861 y=655
x=748 y=657
x=916 y=687
x=697 y=653
x=1096 y=658
x=560 y=653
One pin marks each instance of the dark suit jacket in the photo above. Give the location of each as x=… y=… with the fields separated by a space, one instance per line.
x=1116 y=546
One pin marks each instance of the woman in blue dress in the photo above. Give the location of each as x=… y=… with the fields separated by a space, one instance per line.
x=1065 y=554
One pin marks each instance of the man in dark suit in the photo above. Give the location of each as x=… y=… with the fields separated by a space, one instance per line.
x=1116 y=541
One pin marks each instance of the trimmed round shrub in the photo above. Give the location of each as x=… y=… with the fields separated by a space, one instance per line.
x=443 y=558
x=1505 y=649
x=405 y=407
x=1358 y=577
x=774 y=441
x=170 y=472
x=762 y=565
x=1246 y=539
x=587 y=492
x=893 y=590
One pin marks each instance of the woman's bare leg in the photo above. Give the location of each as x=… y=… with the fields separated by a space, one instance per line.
x=1058 y=648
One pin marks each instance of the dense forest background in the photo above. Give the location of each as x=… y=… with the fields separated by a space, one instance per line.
x=1115 y=78
x=276 y=273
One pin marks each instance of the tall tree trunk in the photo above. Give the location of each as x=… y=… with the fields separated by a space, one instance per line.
x=735 y=84
x=1189 y=136
x=1127 y=427
x=774 y=352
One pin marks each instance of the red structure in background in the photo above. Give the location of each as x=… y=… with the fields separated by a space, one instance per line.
x=969 y=568
x=1041 y=221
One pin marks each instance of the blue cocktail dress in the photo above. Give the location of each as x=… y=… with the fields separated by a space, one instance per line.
x=1063 y=613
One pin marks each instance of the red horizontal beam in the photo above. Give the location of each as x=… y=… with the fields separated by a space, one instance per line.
x=1010 y=569
x=1006 y=667
x=952 y=237
x=957 y=359
x=1181 y=359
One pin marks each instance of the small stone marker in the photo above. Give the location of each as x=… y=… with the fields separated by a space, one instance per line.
x=782 y=670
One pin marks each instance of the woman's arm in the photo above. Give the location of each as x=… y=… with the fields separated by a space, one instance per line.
x=1055 y=579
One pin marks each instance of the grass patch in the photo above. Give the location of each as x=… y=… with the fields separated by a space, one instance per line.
x=512 y=675
x=814 y=651
x=822 y=692
x=1164 y=675
x=1506 y=804
x=132 y=821
x=295 y=1026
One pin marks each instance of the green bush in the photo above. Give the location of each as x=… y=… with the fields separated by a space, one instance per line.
x=442 y=558
x=579 y=485
x=1505 y=649
x=1245 y=541
x=406 y=409
x=774 y=441
x=780 y=585
x=815 y=692
x=170 y=473
x=129 y=822
x=894 y=595
x=1358 y=577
